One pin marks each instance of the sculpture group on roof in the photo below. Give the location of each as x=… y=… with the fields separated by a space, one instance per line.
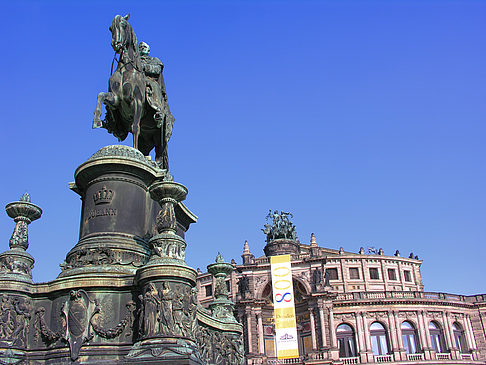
x=281 y=226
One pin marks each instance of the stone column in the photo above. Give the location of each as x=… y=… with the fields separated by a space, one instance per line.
x=261 y=345
x=447 y=331
x=323 y=328
x=313 y=329
x=248 y=328
x=366 y=330
x=332 y=328
x=393 y=332
x=469 y=324
x=467 y=321
x=401 y=349
x=468 y=334
x=456 y=354
x=360 y=335
x=424 y=335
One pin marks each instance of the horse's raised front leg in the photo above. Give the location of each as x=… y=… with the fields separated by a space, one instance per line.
x=97 y=113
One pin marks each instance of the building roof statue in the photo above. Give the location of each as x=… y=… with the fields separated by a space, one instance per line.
x=281 y=226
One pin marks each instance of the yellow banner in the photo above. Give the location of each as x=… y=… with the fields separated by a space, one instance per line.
x=284 y=308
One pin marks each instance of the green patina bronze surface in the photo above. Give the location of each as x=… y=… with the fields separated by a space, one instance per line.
x=125 y=294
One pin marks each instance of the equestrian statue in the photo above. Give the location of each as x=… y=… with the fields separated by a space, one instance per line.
x=136 y=100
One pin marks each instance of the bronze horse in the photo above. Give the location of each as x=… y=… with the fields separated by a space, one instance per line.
x=127 y=107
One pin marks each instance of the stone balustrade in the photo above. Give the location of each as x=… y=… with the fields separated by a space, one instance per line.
x=383 y=358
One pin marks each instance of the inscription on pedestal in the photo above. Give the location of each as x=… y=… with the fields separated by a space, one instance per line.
x=101 y=213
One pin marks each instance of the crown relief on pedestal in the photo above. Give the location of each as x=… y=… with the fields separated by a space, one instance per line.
x=103 y=196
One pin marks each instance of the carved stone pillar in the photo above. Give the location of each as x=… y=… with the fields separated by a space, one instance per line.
x=456 y=354
x=323 y=328
x=366 y=331
x=392 y=331
x=424 y=335
x=360 y=335
x=16 y=264
x=447 y=331
x=167 y=246
x=222 y=307
x=401 y=349
x=467 y=322
x=261 y=345
x=332 y=329
x=313 y=329
x=248 y=314
x=468 y=334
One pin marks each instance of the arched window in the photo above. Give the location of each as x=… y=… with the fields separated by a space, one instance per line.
x=379 y=342
x=459 y=337
x=409 y=337
x=437 y=337
x=346 y=343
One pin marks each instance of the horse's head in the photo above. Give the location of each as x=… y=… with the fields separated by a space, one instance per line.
x=121 y=32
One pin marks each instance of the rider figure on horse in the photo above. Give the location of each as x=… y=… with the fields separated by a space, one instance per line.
x=155 y=88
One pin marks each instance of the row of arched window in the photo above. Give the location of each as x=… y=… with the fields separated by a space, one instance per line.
x=380 y=339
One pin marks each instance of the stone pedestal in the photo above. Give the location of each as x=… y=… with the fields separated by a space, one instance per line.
x=125 y=294
x=281 y=246
x=117 y=213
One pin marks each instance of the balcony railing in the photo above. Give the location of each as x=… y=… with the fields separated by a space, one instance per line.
x=415 y=357
x=318 y=356
x=349 y=360
x=443 y=356
x=409 y=295
x=383 y=358
x=297 y=360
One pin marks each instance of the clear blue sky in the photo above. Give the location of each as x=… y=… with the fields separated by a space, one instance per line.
x=365 y=119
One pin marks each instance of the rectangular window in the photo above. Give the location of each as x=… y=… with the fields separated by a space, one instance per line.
x=269 y=344
x=374 y=273
x=332 y=273
x=228 y=286
x=209 y=290
x=354 y=273
x=407 y=276
x=392 y=274
x=307 y=344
